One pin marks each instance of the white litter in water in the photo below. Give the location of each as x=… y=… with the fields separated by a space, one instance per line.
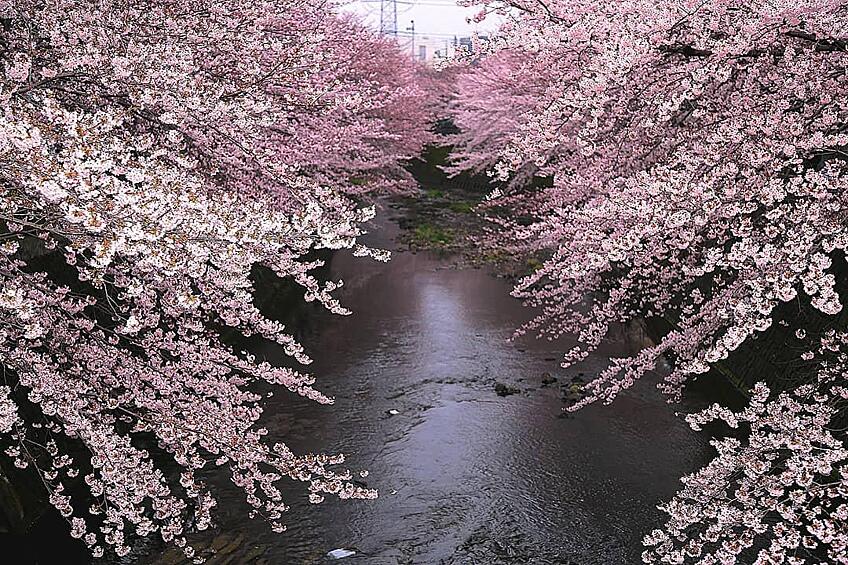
x=393 y=412
x=341 y=553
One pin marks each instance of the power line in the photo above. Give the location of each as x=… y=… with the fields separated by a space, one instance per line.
x=420 y=33
x=390 y=12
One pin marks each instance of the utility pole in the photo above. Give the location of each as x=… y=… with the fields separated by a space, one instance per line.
x=412 y=29
x=388 y=17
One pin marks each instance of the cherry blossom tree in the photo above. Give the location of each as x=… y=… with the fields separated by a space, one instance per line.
x=379 y=118
x=697 y=151
x=489 y=106
x=153 y=153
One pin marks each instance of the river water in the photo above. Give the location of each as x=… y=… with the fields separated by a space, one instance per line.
x=465 y=476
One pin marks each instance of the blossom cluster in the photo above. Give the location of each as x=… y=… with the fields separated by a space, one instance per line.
x=696 y=157
x=151 y=155
x=777 y=493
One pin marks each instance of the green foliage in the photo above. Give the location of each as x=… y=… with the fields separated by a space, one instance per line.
x=461 y=207
x=428 y=234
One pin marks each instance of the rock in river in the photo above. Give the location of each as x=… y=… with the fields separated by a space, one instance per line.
x=505 y=390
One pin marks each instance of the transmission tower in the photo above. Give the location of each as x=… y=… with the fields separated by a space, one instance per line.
x=388 y=17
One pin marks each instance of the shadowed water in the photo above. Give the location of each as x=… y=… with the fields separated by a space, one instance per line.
x=464 y=475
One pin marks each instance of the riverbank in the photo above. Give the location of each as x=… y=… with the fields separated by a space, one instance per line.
x=447 y=217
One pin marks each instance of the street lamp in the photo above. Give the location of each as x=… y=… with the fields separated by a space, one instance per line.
x=412 y=29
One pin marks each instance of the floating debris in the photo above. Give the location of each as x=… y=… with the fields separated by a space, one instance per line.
x=340 y=553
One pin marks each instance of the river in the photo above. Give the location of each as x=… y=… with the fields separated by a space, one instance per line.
x=465 y=476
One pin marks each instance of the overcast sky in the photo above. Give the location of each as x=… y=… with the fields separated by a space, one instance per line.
x=432 y=17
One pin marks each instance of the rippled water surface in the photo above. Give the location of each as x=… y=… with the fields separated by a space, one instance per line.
x=465 y=476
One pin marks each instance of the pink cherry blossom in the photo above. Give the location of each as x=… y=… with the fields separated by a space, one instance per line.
x=696 y=157
x=164 y=150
